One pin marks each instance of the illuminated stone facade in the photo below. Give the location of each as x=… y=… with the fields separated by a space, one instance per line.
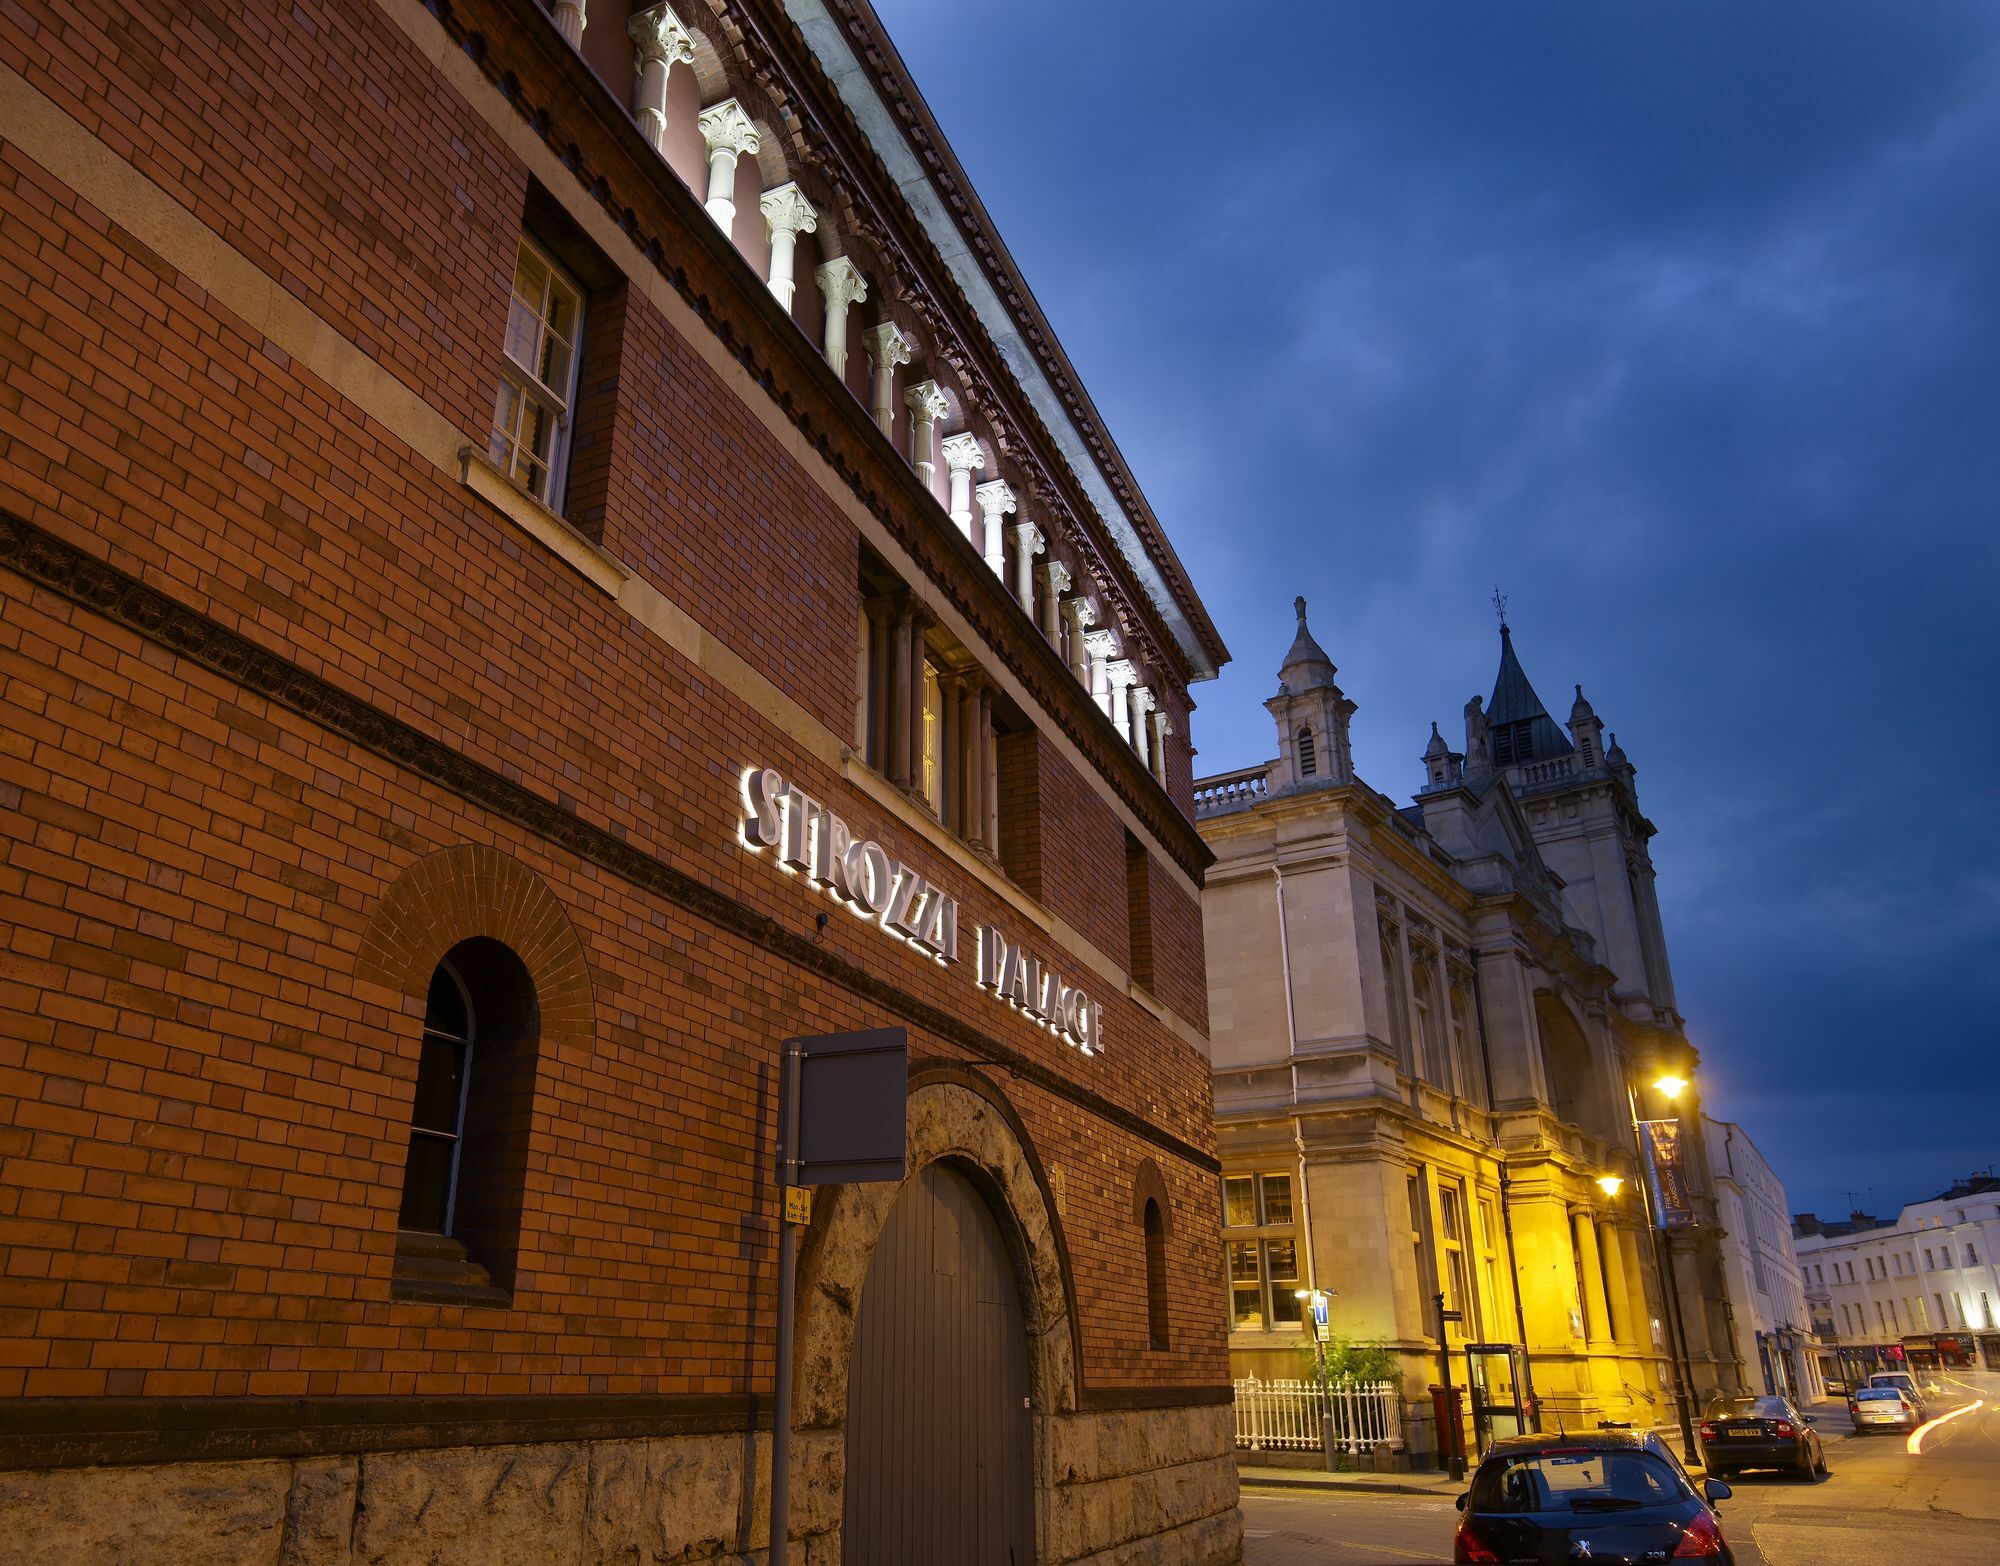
x=1422 y=1045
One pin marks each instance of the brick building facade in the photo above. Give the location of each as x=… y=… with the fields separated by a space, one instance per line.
x=456 y=462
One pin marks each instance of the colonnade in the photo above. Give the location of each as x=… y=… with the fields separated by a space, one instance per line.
x=1094 y=656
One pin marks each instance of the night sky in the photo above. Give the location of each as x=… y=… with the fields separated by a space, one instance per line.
x=1680 y=322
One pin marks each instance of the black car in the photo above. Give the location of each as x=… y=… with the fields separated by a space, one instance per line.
x=1760 y=1432
x=1610 y=1496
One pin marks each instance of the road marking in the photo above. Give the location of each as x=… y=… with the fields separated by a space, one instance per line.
x=1915 y=1445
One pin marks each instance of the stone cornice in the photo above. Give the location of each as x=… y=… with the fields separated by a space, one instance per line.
x=870 y=42
x=60 y=567
x=773 y=51
x=736 y=306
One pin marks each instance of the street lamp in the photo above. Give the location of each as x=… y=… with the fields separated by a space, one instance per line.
x=1670 y=1087
x=1610 y=1184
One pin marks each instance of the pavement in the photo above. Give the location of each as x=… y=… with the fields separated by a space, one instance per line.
x=1937 y=1506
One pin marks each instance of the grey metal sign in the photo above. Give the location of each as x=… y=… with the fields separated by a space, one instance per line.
x=853 y=1097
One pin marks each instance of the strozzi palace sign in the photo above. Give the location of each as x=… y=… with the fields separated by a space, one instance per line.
x=810 y=840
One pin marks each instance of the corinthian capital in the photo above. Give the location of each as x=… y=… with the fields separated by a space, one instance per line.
x=887 y=344
x=994 y=497
x=1103 y=646
x=660 y=37
x=927 y=400
x=1059 y=578
x=1029 y=539
x=1121 y=672
x=1082 y=610
x=786 y=210
x=963 y=453
x=840 y=280
x=726 y=125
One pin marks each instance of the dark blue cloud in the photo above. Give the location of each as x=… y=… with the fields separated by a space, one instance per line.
x=1682 y=322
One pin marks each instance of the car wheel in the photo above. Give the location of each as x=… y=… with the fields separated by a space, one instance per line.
x=1822 y=1469
x=1805 y=1466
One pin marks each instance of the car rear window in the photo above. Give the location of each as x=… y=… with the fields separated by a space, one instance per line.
x=1878 y=1395
x=1581 y=1480
x=1748 y=1408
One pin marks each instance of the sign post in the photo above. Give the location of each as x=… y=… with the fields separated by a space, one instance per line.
x=842 y=1117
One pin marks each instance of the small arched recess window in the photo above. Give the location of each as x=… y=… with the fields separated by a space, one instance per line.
x=1308 y=758
x=1156 y=1275
x=465 y=1168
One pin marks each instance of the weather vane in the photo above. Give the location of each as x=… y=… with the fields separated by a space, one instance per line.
x=1500 y=607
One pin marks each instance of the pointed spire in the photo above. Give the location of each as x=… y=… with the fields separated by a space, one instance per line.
x=1437 y=748
x=1306 y=666
x=1614 y=758
x=1517 y=713
x=1580 y=710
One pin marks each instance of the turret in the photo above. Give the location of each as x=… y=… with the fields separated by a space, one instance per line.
x=1587 y=730
x=1312 y=717
x=1443 y=766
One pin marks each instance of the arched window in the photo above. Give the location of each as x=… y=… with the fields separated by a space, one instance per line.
x=1308 y=759
x=1156 y=1275
x=465 y=1170
x=1431 y=1062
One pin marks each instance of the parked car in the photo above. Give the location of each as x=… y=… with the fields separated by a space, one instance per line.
x=1606 y=1496
x=1883 y=1408
x=1760 y=1432
x=1905 y=1383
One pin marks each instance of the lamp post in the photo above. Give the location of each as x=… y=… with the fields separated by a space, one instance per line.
x=1313 y=1300
x=1670 y=1088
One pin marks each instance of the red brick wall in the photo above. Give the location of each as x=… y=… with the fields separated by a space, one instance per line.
x=203 y=1100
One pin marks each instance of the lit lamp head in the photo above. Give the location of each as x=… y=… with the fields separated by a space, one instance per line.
x=1610 y=1184
x=1669 y=1086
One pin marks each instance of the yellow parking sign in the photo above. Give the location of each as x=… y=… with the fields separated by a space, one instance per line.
x=798 y=1204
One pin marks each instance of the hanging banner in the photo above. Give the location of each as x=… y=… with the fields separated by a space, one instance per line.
x=1666 y=1168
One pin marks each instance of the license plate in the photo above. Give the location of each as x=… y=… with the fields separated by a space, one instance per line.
x=1745 y=1435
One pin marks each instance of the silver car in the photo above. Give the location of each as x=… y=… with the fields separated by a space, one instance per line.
x=1905 y=1383
x=1882 y=1408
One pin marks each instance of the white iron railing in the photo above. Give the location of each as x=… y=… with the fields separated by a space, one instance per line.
x=1284 y=1416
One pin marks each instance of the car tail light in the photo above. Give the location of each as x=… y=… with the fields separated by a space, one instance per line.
x=1708 y=1430
x=1468 y=1549
x=1700 y=1540
x=1783 y=1430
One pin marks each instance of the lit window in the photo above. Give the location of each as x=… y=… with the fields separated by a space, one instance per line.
x=1263 y=1252
x=531 y=409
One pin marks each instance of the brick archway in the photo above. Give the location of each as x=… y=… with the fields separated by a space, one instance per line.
x=466 y=890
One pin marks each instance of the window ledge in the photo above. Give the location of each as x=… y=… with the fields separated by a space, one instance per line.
x=434 y=1269
x=477 y=473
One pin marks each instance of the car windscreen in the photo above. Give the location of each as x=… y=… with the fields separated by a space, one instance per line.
x=1576 y=1480
x=1878 y=1395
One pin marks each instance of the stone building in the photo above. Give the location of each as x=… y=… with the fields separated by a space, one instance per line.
x=543 y=553
x=1921 y=1289
x=1767 y=1294
x=1424 y=1021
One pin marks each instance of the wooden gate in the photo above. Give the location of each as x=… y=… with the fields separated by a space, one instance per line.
x=940 y=1459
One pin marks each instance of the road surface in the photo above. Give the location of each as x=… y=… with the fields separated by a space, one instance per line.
x=1939 y=1506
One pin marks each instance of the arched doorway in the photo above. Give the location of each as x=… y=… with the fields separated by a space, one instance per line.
x=940 y=1460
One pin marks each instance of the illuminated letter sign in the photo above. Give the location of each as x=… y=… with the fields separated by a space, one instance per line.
x=810 y=840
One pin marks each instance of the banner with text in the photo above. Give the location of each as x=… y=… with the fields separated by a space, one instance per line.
x=1666 y=1164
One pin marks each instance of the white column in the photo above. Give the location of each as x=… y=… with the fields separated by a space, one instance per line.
x=662 y=43
x=787 y=214
x=1121 y=674
x=727 y=133
x=963 y=456
x=1103 y=648
x=995 y=497
x=570 y=21
x=1055 y=582
x=1162 y=727
x=887 y=348
x=1141 y=705
x=927 y=404
x=1029 y=541
x=1081 y=614
x=841 y=284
